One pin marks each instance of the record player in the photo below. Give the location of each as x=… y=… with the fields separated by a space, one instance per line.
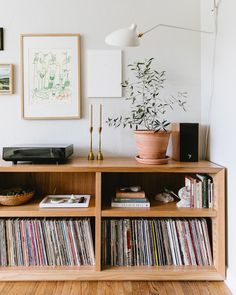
x=38 y=154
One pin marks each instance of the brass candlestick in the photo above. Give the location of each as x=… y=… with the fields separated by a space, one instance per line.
x=100 y=155
x=91 y=154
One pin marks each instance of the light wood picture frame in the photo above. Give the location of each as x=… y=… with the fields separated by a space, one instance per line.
x=6 y=79
x=50 y=76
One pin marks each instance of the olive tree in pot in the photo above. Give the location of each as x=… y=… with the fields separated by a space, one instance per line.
x=148 y=109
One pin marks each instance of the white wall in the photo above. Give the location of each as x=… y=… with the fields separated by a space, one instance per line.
x=177 y=52
x=222 y=120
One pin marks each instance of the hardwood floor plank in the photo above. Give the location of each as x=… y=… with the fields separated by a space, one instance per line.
x=18 y=288
x=122 y=288
x=157 y=288
x=141 y=288
x=114 y=288
x=110 y=288
x=170 y=289
x=43 y=287
x=89 y=288
x=202 y=287
x=180 y=287
x=73 y=288
x=215 y=288
x=192 y=289
x=224 y=289
x=5 y=288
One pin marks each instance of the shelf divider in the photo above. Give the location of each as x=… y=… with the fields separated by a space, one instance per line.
x=98 y=193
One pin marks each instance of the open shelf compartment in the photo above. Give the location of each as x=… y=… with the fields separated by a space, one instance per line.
x=152 y=184
x=45 y=184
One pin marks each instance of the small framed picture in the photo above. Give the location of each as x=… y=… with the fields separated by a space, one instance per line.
x=50 y=67
x=6 y=79
x=1 y=39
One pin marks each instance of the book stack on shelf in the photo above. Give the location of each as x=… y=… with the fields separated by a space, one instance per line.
x=156 y=242
x=201 y=189
x=127 y=198
x=46 y=242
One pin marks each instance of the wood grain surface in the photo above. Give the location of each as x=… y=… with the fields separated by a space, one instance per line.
x=101 y=179
x=114 y=288
x=120 y=164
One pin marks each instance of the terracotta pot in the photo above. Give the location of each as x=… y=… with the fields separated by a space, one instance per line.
x=152 y=145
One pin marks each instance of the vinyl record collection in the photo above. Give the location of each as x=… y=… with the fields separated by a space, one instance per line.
x=46 y=242
x=153 y=242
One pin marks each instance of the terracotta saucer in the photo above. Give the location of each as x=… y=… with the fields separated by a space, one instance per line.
x=153 y=161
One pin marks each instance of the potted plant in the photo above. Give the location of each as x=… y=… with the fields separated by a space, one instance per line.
x=148 y=110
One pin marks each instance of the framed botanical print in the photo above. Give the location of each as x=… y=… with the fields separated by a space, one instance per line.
x=50 y=67
x=6 y=79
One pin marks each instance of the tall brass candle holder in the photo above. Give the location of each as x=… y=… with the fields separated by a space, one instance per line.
x=91 y=154
x=100 y=155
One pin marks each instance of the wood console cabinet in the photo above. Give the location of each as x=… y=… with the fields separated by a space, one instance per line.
x=100 y=179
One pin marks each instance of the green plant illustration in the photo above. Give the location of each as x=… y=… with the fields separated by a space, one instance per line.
x=51 y=76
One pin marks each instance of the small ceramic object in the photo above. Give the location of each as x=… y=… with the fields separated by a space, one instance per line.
x=81 y=200
x=166 y=190
x=72 y=199
x=164 y=198
x=135 y=188
x=184 y=195
x=56 y=201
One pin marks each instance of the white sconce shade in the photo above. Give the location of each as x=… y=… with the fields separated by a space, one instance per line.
x=126 y=37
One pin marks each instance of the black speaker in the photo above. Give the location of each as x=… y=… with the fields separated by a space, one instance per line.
x=185 y=142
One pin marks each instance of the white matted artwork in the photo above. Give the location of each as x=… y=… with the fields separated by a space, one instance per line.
x=104 y=73
x=50 y=76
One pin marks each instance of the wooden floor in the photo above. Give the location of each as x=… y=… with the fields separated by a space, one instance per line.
x=116 y=288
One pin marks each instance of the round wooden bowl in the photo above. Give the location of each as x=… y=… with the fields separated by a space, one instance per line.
x=15 y=200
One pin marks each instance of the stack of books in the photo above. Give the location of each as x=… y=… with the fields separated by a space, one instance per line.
x=46 y=242
x=156 y=242
x=201 y=188
x=130 y=199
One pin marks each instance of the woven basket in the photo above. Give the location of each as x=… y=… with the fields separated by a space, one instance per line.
x=16 y=199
